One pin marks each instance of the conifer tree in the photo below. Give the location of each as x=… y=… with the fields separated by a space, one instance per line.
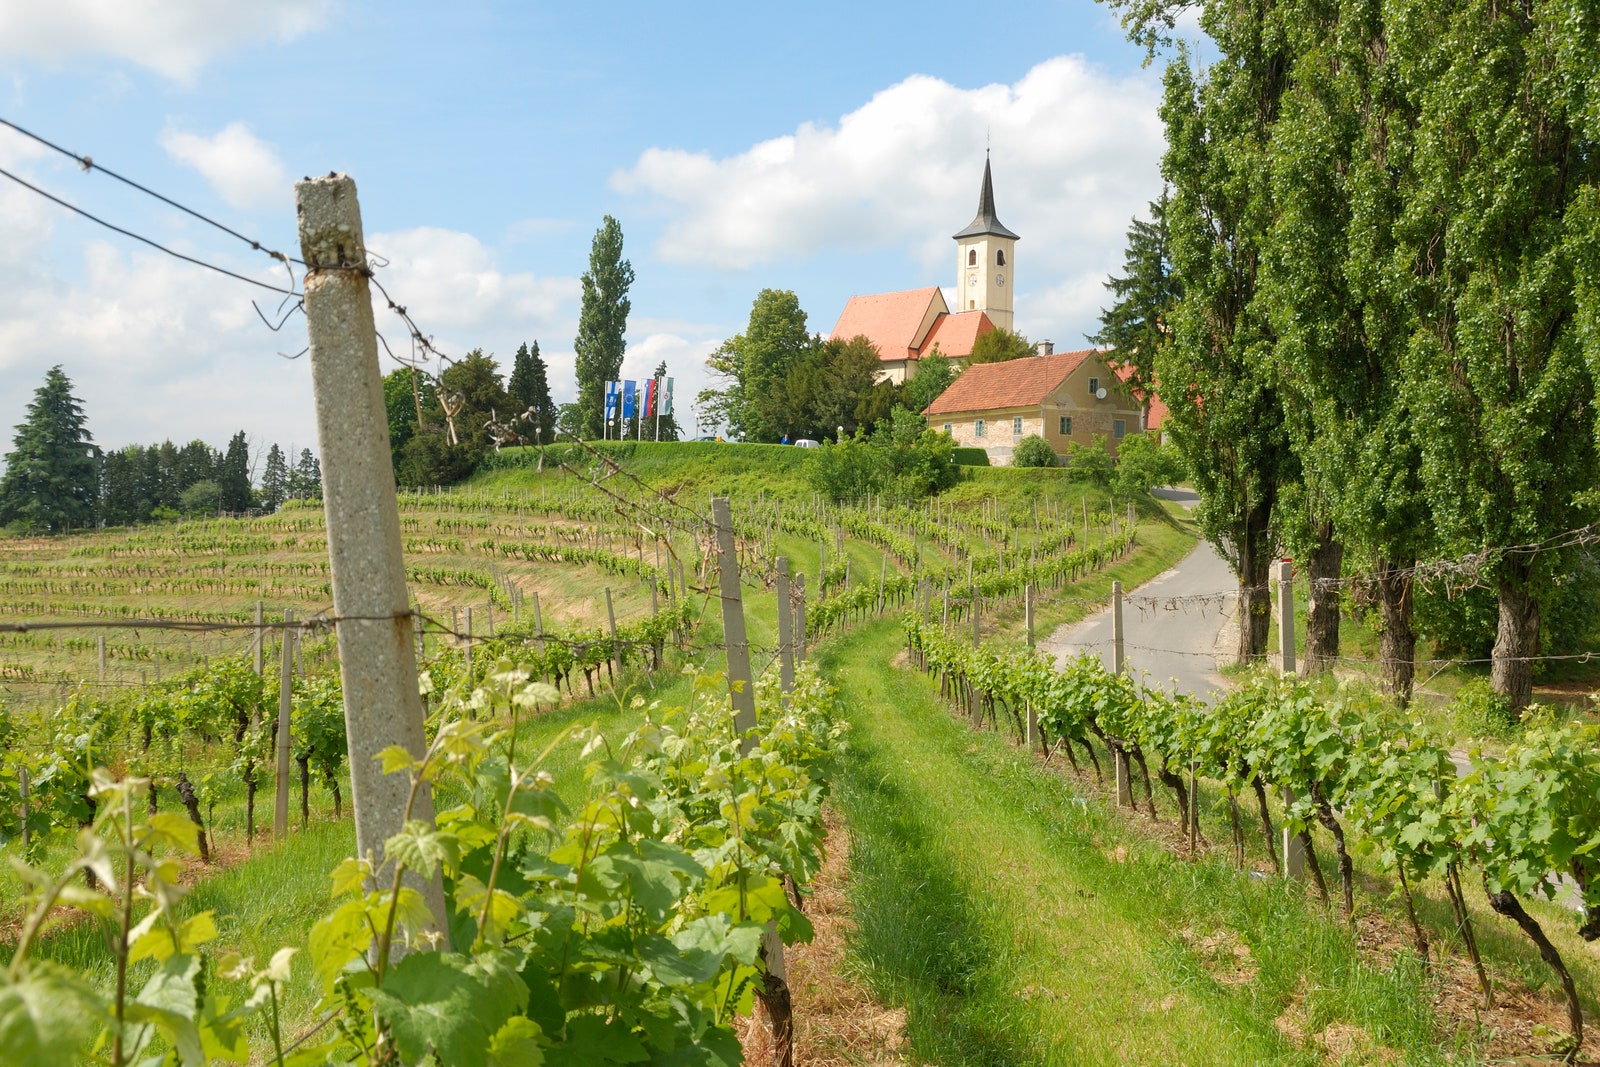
x=530 y=390
x=51 y=471
x=275 y=480
x=233 y=476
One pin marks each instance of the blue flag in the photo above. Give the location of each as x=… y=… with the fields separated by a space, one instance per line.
x=627 y=400
x=611 y=399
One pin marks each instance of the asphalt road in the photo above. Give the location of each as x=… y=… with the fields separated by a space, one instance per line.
x=1174 y=641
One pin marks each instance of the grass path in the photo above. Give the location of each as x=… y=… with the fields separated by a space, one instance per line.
x=1020 y=923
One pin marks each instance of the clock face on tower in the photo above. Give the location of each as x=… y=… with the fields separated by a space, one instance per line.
x=999 y=279
x=972 y=279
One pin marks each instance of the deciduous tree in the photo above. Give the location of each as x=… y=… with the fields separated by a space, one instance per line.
x=602 y=321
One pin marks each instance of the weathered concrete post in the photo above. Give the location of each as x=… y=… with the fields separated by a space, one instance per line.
x=785 y=628
x=280 y=803
x=1285 y=577
x=1027 y=610
x=800 y=617
x=1118 y=665
x=377 y=661
x=733 y=631
x=976 y=710
x=100 y=649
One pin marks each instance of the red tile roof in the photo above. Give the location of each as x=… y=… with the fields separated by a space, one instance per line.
x=956 y=334
x=1157 y=412
x=1016 y=383
x=889 y=320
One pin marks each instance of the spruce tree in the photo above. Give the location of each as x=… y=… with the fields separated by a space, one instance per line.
x=51 y=471
x=306 y=481
x=530 y=389
x=275 y=480
x=602 y=321
x=233 y=477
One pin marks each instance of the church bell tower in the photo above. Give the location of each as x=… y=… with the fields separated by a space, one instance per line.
x=987 y=258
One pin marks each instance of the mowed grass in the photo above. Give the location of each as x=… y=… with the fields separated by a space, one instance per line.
x=1019 y=922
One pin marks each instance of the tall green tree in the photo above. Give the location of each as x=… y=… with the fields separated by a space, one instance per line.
x=934 y=374
x=1500 y=227
x=306 y=481
x=529 y=389
x=753 y=369
x=1000 y=346
x=1227 y=417
x=49 y=484
x=833 y=384
x=274 y=480
x=233 y=476
x=602 y=322
x=1339 y=289
x=470 y=395
x=1137 y=324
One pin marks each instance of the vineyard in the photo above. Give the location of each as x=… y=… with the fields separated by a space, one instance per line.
x=620 y=863
x=560 y=590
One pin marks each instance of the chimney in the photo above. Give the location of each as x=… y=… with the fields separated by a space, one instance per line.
x=1045 y=348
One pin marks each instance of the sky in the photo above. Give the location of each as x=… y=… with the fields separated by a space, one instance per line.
x=830 y=148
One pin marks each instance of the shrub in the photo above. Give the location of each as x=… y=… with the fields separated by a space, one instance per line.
x=1143 y=463
x=902 y=460
x=1033 y=451
x=1090 y=463
x=1482 y=712
x=969 y=457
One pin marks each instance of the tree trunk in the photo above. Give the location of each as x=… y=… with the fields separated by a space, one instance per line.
x=250 y=801
x=1346 y=873
x=1252 y=562
x=1322 y=616
x=1397 y=641
x=1516 y=641
x=1507 y=904
x=191 y=804
x=1174 y=782
x=1266 y=819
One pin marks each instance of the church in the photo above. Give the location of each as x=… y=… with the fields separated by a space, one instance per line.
x=1065 y=398
x=909 y=325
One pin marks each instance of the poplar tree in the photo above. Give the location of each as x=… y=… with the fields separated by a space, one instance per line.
x=1501 y=227
x=51 y=470
x=602 y=322
x=1227 y=417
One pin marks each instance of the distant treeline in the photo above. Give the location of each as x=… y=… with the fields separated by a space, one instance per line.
x=140 y=483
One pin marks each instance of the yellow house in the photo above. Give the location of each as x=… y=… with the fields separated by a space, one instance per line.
x=1067 y=396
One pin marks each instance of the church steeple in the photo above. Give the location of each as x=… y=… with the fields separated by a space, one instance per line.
x=987 y=251
x=986 y=223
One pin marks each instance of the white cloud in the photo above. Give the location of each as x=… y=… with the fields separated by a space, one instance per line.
x=685 y=358
x=1075 y=154
x=158 y=348
x=243 y=169
x=173 y=37
x=453 y=287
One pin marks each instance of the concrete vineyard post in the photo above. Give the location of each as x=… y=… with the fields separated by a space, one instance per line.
x=280 y=802
x=466 y=656
x=774 y=991
x=785 y=628
x=1120 y=755
x=377 y=660
x=1294 y=851
x=800 y=617
x=538 y=621
x=1027 y=610
x=733 y=631
x=977 y=701
x=260 y=651
x=611 y=617
x=100 y=649
x=1285 y=576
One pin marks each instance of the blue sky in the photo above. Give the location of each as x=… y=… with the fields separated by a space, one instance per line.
x=829 y=148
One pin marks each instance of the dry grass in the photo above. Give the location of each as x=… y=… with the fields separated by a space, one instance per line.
x=836 y=1022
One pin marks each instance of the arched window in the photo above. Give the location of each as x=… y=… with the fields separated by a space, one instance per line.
x=972 y=257
x=1000 y=257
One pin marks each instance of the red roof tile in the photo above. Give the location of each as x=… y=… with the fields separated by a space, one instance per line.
x=956 y=334
x=1016 y=383
x=891 y=321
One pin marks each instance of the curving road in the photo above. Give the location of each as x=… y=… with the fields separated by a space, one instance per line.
x=1175 y=643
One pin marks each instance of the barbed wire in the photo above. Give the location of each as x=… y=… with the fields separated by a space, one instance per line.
x=146 y=240
x=88 y=164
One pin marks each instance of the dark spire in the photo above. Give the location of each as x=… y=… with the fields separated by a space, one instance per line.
x=986 y=223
